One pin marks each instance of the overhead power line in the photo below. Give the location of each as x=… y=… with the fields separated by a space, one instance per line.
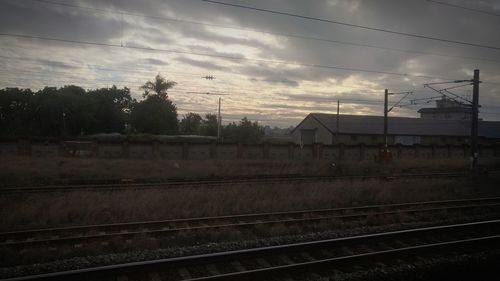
x=136 y=70
x=304 y=37
x=356 y=25
x=464 y=8
x=228 y=57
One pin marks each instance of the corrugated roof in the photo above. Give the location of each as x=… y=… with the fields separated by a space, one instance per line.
x=364 y=124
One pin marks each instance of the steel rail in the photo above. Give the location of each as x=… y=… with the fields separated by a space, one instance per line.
x=28 y=238
x=215 y=182
x=427 y=238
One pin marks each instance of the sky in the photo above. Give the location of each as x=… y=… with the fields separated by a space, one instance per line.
x=273 y=67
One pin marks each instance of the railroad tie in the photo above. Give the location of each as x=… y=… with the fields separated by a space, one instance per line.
x=307 y=256
x=347 y=251
x=401 y=244
x=384 y=246
x=238 y=266
x=154 y=276
x=314 y=276
x=336 y=272
x=365 y=248
x=184 y=273
x=327 y=253
x=212 y=269
x=417 y=241
x=286 y=259
x=263 y=263
x=122 y=278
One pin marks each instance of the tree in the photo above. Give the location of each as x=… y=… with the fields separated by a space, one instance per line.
x=66 y=111
x=209 y=125
x=16 y=110
x=159 y=87
x=245 y=132
x=190 y=124
x=51 y=114
x=156 y=114
x=112 y=109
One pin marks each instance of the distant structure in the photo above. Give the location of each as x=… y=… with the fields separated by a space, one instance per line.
x=448 y=123
x=447 y=109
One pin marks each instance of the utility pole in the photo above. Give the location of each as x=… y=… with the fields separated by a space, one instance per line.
x=338 y=116
x=475 y=121
x=219 y=119
x=64 y=123
x=386 y=111
x=218 y=123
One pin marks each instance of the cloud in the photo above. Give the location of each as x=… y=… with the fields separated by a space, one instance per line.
x=208 y=65
x=154 y=61
x=242 y=59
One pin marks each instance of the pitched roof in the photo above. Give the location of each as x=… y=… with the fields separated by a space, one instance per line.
x=364 y=124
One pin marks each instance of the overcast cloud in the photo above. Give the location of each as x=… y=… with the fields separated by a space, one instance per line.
x=190 y=39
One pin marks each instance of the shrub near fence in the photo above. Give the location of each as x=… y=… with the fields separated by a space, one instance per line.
x=206 y=151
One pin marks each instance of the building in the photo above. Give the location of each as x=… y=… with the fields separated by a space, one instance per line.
x=447 y=109
x=362 y=129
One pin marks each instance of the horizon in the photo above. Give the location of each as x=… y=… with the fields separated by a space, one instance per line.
x=272 y=68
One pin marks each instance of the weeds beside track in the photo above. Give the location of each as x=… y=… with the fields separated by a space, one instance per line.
x=286 y=260
x=213 y=182
x=79 y=235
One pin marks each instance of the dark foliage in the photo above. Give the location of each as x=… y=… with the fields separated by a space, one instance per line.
x=246 y=131
x=155 y=115
x=209 y=125
x=67 y=111
x=190 y=124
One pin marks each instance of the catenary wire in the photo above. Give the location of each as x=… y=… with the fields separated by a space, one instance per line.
x=351 y=69
x=464 y=8
x=266 y=32
x=355 y=25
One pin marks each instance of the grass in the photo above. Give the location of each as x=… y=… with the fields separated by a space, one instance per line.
x=17 y=171
x=24 y=211
x=22 y=171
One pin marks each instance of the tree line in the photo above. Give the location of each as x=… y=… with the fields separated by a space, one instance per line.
x=71 y=111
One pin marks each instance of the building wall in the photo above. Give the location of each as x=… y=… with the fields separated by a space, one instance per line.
x=322 y=134
x=284 y=152
x=391 y=139
x=446 y=115
x=360 y=139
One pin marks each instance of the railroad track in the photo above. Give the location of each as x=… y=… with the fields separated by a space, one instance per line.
x=284 y=261
x=208 y=182
x=77 y=236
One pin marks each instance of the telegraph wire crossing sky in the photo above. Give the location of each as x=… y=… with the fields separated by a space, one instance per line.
x=273 y=61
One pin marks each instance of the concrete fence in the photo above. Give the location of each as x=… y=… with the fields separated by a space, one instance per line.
x=206 y=151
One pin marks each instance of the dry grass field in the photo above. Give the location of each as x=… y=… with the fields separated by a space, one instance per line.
x=42 y=210
x=91 y=207
x=18 y=171
x=59 y=209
